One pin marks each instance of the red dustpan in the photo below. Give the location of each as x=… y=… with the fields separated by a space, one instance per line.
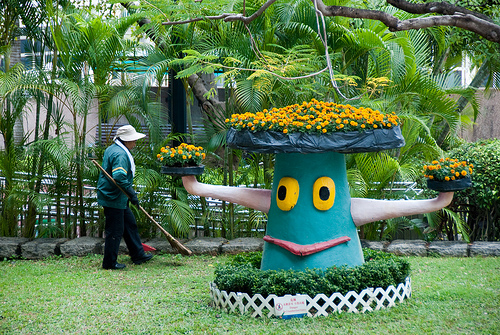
x=148 y=247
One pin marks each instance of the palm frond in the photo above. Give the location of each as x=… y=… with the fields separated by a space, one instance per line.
x=357 y=184
x=458 y=222
x=179 y=217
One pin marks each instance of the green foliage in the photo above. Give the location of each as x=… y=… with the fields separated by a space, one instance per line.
x=253 y=258
x=243 y=275
x=481 y=202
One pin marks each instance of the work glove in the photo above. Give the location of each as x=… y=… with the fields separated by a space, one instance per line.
x=132 y=196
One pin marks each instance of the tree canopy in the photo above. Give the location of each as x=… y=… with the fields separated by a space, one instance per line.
x=436 y=14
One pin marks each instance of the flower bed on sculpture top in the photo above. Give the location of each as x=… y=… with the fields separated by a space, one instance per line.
x=314 y=117
x=313 y=127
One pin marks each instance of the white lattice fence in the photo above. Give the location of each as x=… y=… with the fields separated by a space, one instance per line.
x=370 y=299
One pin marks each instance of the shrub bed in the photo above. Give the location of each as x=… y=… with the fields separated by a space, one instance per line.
x=481 y=203
x=242 y=274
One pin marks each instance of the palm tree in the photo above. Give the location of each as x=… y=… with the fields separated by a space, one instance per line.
x=13 y=100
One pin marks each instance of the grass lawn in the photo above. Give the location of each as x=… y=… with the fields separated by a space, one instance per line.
x=170 y=295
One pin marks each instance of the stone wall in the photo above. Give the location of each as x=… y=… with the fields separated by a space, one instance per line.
x=23 y=248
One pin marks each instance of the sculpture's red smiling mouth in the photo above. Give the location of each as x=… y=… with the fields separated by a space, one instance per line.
x=304 y=250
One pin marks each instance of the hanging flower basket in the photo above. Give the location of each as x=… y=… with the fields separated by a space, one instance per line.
x=449 y=186
x=183 y=170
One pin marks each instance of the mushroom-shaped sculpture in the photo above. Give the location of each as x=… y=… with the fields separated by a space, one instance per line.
x=312 y=219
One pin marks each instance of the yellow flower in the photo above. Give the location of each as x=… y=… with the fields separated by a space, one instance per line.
x=184 y=154
x=306 y=117
x=446 y=169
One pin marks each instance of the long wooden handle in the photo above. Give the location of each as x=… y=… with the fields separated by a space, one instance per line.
x=173 y=242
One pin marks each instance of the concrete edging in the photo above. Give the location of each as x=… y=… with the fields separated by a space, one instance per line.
x=24 y=248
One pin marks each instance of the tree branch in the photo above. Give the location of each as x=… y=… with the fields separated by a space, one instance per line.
x=450 y=15
x=462 y=18
x=442 y=8
x=228 y=17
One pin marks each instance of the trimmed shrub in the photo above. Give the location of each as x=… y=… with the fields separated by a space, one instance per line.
x=379 y=270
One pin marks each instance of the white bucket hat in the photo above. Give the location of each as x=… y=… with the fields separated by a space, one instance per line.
x=127 y=133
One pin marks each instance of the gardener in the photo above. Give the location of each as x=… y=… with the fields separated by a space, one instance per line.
x=120 y=221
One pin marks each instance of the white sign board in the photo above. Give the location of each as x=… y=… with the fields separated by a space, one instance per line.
x=290 y=306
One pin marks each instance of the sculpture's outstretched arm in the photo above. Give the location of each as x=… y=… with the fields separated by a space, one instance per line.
x=259 y=199
x=369 y=210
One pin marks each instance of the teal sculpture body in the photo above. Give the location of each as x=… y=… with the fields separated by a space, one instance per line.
x=312 y=220
x=308 y=234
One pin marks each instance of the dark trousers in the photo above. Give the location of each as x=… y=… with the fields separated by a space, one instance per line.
x=120 y=223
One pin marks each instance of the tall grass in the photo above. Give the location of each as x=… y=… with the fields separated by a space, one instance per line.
x=170 y=295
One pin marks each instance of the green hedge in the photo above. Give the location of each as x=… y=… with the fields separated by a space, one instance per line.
x=481 y=202
x=243 y=275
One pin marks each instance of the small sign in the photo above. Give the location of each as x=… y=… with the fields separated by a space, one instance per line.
x=290 y=306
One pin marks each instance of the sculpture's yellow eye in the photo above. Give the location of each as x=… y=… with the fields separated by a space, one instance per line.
x=323 y=193
x=287 y=194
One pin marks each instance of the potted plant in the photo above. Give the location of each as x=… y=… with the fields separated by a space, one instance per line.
x=448 y=174
x=182 y=160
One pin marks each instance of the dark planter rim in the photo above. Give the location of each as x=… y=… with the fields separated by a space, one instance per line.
x=343 y=142
x=183 y=170
x=449 y=186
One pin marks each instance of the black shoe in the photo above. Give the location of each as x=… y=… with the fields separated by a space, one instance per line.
x=143 y=259
x=117 y=266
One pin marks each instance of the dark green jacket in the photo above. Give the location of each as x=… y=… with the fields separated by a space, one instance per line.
x=117 y=165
